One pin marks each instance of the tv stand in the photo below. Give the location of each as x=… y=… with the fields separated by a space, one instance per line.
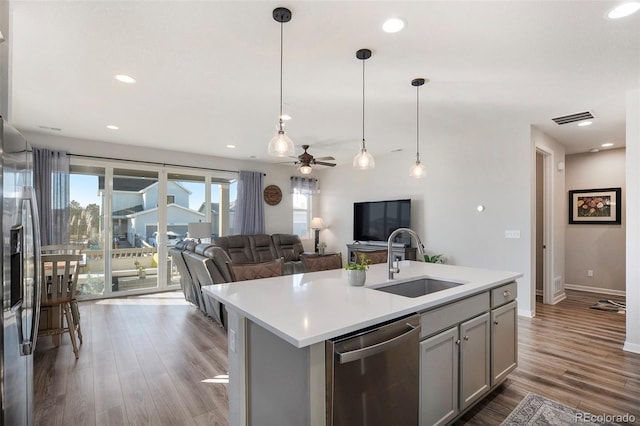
x=400 y=252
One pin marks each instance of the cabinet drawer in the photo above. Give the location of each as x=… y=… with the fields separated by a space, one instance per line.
x=504 y=294
x=449 y=315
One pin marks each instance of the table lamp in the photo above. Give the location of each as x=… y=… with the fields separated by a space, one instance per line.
x=317 y=224
x=199 y=230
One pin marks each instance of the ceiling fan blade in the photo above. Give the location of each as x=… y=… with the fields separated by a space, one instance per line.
x=325 y=158
x=322 y=163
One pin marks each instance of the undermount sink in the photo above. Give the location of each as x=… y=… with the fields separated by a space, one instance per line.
x=419 y=287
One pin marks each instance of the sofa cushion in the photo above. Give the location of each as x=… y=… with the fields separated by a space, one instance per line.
x=218 y=264
x=262 y=248
x=254 y=271
x=288 y=246
x=237 y=247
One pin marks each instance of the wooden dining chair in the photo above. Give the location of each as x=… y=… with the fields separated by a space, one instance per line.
x=315 y=262
x=375 y=256
x=59 y=280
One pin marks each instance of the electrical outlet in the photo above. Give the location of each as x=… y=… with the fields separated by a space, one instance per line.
x=589 y=272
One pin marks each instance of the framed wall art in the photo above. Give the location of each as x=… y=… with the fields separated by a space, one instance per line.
x=595 y=206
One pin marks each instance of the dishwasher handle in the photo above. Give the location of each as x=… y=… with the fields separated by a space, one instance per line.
x=345 y=357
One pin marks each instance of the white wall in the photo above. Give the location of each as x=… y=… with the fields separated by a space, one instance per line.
x=480 y=159
x=554 y=153
x=600 y=248
x=632 y=342
x=279 y=219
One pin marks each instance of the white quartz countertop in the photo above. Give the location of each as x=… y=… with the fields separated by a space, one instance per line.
x=305 y=309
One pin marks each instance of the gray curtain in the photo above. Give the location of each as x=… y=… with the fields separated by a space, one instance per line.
x=304 y=186
x=249 y=217
x=51 y=182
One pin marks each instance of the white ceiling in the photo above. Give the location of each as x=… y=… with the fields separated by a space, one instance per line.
x=207 y=72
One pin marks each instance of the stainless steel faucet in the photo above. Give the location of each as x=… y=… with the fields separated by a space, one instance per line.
x=394 y=269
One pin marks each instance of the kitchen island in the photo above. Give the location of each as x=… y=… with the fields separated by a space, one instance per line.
x=277 y=328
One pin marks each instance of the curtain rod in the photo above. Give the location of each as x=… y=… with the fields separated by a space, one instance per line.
x=154 y=163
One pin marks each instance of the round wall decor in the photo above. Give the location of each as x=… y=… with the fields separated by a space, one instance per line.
x=272 y=195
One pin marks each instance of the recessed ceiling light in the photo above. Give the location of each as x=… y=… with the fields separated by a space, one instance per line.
x=606 y=145
x=112 y=127
x=231 y=146
x=585 y=123
x=393 y=25
x=123 y=78
x=624 y=9
x=285 y=117
x=594 y=150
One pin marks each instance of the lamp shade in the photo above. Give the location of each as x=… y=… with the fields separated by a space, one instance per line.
x=199 y=229
x=317 y=223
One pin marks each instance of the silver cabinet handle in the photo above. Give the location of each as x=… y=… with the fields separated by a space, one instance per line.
x=506 y=293
x=458 y=342
x=345 y=357
x=495 y=322
x=466 y=337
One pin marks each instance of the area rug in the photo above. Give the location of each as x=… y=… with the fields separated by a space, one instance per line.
x=536 y=410
x=610 y=306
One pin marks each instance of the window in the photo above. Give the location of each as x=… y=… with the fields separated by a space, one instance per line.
x=301 y=214
x=302 y=189
x=171 y=199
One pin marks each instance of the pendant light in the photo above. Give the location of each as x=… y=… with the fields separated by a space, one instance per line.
x=281 y=145
x=418 y=170
x=363 y=160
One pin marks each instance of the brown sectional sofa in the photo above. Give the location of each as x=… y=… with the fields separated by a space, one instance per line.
x=206 y=264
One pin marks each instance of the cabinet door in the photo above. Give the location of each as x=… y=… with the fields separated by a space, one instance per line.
x=504 y=341
x=474 y=359
x=439 y=378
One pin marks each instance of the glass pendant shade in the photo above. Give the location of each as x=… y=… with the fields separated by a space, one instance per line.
x=418 y=170
x=363 y=160
x=305 y=170
x=281 y=145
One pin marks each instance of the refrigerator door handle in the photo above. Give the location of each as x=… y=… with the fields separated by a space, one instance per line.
x=28 y=346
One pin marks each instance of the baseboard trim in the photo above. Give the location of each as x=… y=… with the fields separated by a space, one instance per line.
x=525 y=313
x=631 y=347
x=595 y=290
x=557 y=298
x=538 y=292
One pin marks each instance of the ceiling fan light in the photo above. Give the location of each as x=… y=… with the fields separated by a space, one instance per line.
x=363 y=160
x=281 y=145
x=305 y=169
x=418 y=170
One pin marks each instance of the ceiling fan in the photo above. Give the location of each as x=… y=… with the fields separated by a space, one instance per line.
x=305 y=160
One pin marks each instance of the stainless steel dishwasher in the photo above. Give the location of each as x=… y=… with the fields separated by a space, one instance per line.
x=373 y=375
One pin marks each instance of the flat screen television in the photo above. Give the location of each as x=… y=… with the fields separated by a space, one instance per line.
x=376 y=220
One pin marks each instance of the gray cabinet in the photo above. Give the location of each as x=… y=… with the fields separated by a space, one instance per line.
x=454 y=370
x=469 y=347
x=504 y=341
x=474 y=360
x=439 y=378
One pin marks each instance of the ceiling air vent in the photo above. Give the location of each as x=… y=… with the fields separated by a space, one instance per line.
x=572 y=118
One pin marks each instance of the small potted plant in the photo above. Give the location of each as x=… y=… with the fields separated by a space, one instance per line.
x=357 y=271
x=321 y=247
x=141 y=270
x=436 y=258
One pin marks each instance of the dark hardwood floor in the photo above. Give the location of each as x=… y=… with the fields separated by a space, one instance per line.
x=156 y=360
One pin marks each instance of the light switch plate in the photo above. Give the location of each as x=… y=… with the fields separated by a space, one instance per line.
x=510 y=233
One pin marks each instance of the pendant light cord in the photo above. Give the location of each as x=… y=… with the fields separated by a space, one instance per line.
x=417 y=123
x=281 y=54
x=363 y=143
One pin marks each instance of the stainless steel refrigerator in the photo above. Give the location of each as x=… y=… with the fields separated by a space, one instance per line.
x=20 y=277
